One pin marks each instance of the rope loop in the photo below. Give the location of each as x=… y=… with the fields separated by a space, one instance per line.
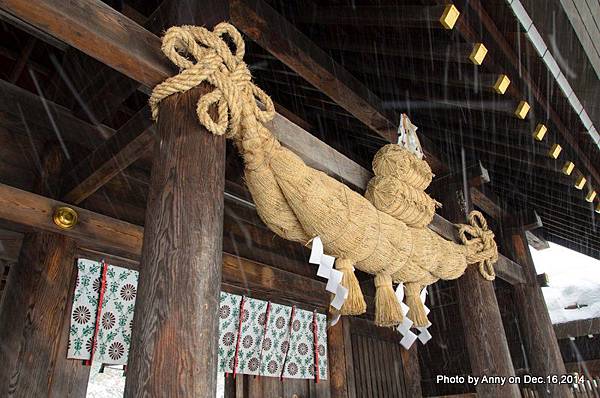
x=205 y=56
x=480 y=243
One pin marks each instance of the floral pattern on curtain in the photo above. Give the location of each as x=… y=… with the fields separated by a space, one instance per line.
x=114 y=331
x=83 y=312
x=255 y=337
x=116 y=320
x=288 y=342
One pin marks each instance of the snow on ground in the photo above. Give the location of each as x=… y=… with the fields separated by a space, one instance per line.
x=574 y=279
x=111 y=383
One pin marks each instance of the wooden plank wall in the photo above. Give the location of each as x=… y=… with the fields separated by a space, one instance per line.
x=247 y=386
x=377 y=361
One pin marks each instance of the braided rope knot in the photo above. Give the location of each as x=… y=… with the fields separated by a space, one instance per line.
x=480 y=243
x=205 y=56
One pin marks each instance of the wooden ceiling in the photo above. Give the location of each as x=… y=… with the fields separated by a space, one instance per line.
x=342 y=70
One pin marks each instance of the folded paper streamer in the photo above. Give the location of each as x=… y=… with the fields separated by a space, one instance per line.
x=333 y=276
x=404 y=328
x=273 y=340
x=300 y=203
x=112 y=335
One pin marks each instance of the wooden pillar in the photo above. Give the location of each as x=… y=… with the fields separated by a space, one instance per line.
x=341 y=367
x=412 y=371
x=175 y=331
x=540 y=341
x=35 y=311
x=484 y=333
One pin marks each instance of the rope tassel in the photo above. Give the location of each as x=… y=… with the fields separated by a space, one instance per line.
x=416 y=311
x=355 y=302
x=388 y=311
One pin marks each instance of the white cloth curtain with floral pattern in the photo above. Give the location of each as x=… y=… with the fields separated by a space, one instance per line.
x=255 y=337
x=292 y=345
x=113 y=336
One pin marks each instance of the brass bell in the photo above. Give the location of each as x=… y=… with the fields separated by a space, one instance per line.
x=65 y=217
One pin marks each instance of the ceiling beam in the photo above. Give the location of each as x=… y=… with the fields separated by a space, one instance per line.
x=541 y=102
x=112 y=157
x=29 y=114
x=261 y=23
x=270 y=30
x=98 y=232
x=455 y=52
x=425 y=17
x=580 y=327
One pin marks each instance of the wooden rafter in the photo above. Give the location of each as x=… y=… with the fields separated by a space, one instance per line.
x=582 y=327
x=123 y=148
x=264 y=25
x=424 y=17
x=468 y=33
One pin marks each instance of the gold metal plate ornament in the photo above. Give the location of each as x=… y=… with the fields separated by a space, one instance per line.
x=590 y=196
x=449 y=16
x=478 y=54
x=540 y=132
x=568 y=168
x=522 y=110
x=65 y=217
x=555 y=151
x=580 y=183
x=501 y=84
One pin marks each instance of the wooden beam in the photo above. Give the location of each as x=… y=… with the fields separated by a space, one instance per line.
x=29 y=114
x=93 y=230
x=455 y=52
x=506 y=51
x=425 y=17
x=115 y=155
x=101 y=32
x=22 y=60
x=537 y=240
x=271 y=31
x=264 y=25
x=581 y=327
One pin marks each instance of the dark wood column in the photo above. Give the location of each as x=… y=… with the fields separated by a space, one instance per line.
x=484 y=333
x=35 y=310
x=412 y=371
x=175 y=331
x=540 y=342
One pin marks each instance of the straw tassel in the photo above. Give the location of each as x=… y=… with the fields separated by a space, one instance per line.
x=416 y=311
x=355 y=302
x=387 y=308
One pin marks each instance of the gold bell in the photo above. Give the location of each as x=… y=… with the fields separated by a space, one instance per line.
x=65 y=217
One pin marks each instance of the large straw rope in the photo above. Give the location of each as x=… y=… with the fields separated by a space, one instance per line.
x=298 y=202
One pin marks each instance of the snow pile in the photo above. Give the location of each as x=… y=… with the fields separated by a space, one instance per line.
x=111 y=383
x=574 y=280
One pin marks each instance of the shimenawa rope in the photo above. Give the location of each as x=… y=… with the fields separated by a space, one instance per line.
x=298 y=202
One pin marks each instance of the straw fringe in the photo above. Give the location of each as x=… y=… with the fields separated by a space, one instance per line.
x=355 y=302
